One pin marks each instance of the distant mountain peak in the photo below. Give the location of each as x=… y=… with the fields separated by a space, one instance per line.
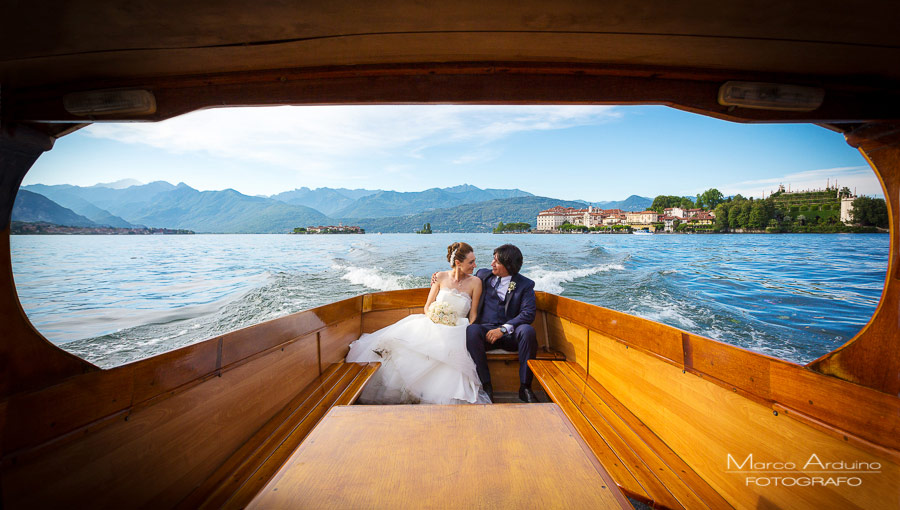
x=462 y=188
x=120 y=184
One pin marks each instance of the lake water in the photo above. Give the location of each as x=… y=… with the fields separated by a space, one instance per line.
x=115 y=299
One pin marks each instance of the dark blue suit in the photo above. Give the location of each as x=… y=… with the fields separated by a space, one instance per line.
x=517 y=310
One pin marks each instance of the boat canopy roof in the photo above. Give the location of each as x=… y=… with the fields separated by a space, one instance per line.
x=192 y=54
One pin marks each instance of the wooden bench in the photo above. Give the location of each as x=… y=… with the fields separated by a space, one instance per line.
x=504 y=367
x=247 y=471
x=640 y=462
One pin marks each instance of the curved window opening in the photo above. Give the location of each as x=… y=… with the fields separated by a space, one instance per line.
x=179 y=231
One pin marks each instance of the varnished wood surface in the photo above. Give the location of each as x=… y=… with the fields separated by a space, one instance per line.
x=391 y=300
x=334 y=341
x=442 y=457
x=229 y=476
x=740 y=371
x=501 y=355
x=241 y=477
x=244 y=343
x=655 y=474
x=872 y=358
x=704 y=422
x=650 y=440
x=193 y=57
x=504 y=368
x=375 y=320
x=868 y=413
x=157 y=455
x=567 y=337
x=28 y=361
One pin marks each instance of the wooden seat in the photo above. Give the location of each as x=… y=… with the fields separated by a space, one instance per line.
x=242 y=476
x=639 y=461
x=542 y=354
x=504 y=367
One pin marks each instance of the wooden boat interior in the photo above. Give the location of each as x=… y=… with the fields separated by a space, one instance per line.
x=207 y=425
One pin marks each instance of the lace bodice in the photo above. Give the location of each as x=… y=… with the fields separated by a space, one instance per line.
x=460 y=301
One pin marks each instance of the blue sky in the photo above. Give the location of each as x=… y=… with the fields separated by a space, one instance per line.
x=591 y=153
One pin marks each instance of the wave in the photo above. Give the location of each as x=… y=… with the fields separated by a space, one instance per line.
x=377 y=278
x=551 y=281
x=283 y=294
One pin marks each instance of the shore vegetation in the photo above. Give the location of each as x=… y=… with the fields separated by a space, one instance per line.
x=512 y=227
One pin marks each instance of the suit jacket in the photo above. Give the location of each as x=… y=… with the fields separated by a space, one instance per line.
x=520 y=303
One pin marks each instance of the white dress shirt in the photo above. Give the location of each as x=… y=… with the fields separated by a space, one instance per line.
x=502 y=287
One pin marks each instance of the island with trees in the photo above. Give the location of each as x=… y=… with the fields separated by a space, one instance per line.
x=331 y=229
x=516 y=228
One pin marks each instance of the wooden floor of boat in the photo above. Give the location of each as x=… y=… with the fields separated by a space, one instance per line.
x=636 y=458
x=443 y=456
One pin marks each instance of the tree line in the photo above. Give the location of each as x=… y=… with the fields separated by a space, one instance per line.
x=709 y=199
x=512 y=227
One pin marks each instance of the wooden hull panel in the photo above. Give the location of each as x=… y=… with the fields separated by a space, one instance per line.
x=148 y=433
x=719 y=400
x=156 y=455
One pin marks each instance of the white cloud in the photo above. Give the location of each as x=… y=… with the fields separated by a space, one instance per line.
x=860 y=178
x=313 y=139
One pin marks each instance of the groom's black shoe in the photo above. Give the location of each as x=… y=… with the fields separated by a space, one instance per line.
x=489 y=390
x=526 y=395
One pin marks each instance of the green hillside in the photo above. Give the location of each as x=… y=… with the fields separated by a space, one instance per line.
x=34 y=207
x=480 y=217
x=810 y=204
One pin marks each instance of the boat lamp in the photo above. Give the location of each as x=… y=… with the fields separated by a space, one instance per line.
x=110 y=102
x=770 y=96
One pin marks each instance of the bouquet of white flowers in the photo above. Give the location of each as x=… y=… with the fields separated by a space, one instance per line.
x=442 y=313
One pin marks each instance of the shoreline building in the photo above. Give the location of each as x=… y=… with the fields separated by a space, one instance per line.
x=642 y=218
x=339 y=229
x=551 y=219
x=847 y=208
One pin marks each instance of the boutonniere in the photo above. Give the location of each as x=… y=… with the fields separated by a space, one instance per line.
x=512 y=286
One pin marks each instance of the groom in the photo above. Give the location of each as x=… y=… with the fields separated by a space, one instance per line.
x=505 y=314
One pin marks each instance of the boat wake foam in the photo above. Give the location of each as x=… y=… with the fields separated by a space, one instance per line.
x=551 y=281
x=377 y=278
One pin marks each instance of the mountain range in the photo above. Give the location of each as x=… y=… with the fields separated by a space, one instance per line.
x=33 y=207
x=129 y=204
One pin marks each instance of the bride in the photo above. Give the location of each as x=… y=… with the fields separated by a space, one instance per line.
x=423 y=358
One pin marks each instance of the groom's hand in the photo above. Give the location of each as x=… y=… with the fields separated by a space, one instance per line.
x=494 y=335
x=433 y=278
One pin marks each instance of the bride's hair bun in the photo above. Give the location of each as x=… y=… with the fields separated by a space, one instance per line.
x=457 y=252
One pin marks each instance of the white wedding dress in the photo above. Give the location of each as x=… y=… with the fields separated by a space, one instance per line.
x=421 y=362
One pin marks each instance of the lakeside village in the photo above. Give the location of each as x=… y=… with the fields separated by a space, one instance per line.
x=42 y=227
x=330 y=229
x=822 y=210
